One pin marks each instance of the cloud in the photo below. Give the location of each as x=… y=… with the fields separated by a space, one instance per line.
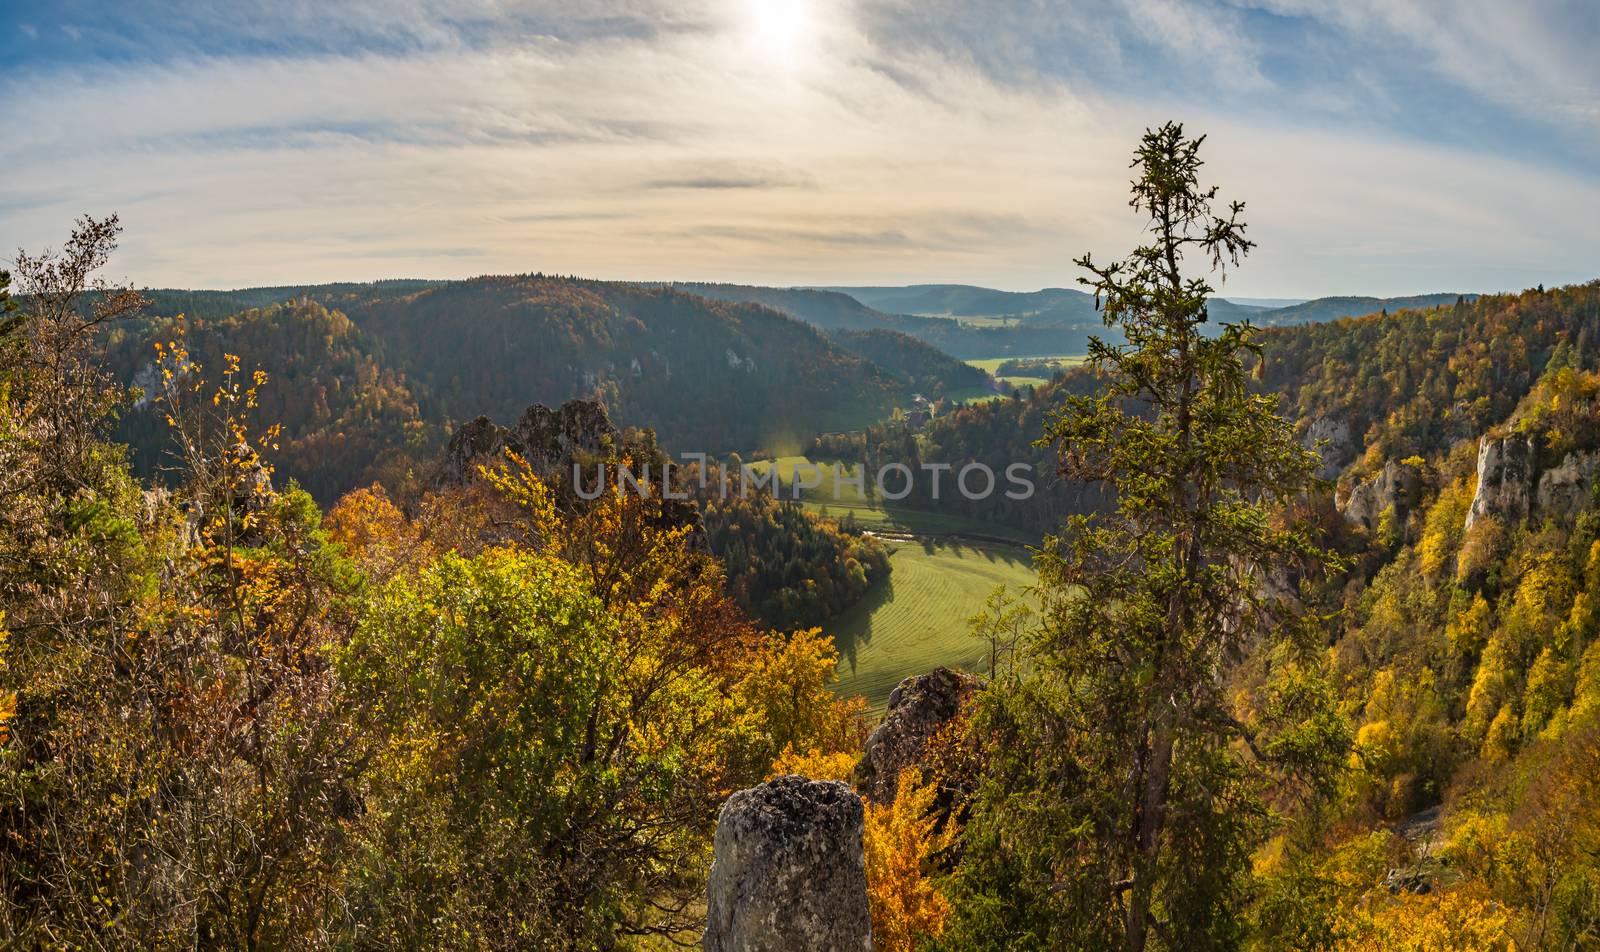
x=654 y=140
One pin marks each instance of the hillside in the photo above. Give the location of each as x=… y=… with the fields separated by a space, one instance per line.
x=348 y=417
x=962 y=338
x=366 y=379
x=1333 y=308
x=1046 y=306
x=1384 y=386
x=926 y=368
x=708 y=376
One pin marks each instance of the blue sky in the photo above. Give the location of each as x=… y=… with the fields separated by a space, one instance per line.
x=1382 y=146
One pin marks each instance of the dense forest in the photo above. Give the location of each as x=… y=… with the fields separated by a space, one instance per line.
x=372 y=377
x=788 y=567
x=1398 y=384
x=348 y=419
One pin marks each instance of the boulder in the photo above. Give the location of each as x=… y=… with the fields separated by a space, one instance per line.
x=918 y=707
x=1397 y=486
x=1505 y=479
x=1566 y=487
x=787 y=873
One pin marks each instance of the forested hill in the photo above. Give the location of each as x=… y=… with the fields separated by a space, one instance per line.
x=1056 y=306
x=1333 y=308
x=1415 y=381
x=707 y=375
x=926 y=367
x=1379 y=388
x=348 y=417
x=367 y=379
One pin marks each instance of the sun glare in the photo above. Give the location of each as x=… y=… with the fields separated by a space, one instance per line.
x=780 y=29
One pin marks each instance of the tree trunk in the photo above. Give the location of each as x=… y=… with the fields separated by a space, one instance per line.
x=1152 y=818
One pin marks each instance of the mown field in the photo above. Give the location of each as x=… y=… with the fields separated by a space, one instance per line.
x=992 y=364
x=916 y=620
x=843 y=499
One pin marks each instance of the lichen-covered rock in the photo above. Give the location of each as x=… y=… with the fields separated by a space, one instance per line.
x=1566 y=487
x=1505 y=479
x=918 y=707
x=1330 y=439
x=788 y=872
x=1397 y=486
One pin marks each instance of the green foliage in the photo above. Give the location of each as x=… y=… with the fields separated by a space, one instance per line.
x=495 y=796
x=924 y=368
x=785 y=566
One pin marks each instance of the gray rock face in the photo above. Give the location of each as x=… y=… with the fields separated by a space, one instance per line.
x=1330 y=439
x=918 y=707
x=1565 y=487
x=1397 y=485
x=550 y=440
x=1505 y=479
x=788 y=873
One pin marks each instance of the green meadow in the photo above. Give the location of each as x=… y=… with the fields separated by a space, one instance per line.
x=839 y=497
x=916 y=619
x=1061 y=361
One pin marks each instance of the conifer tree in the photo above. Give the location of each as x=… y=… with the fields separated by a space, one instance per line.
x=1125 y=786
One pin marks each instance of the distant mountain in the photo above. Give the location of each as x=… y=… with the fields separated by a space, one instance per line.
x=707 y=375
x=366 y=378
x=965 y=301
x=1072 y=312
x=1333 y=308
x=968 y=337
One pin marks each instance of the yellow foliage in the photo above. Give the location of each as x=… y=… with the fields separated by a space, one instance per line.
x=1455 y=920
x=900 y=845
x=1441 y=532
x=789 y=681
x=1501 y=741
x=1469 y=629
x=8 y=699
x=815 y=764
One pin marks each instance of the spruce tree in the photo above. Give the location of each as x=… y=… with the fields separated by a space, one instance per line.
x=1125 y=785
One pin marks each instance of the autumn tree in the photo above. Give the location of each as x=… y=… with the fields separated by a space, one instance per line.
x=1124 y=789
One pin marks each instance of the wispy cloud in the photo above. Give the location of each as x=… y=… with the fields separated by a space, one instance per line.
x=881 y=140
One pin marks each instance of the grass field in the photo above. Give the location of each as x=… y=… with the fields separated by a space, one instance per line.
x=876 y=514
x=916 y=620
x=1061 y=362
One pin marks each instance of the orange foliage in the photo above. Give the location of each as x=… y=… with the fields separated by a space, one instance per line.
x=901 y=841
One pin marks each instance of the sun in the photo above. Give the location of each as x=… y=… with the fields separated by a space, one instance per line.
x=781 y=30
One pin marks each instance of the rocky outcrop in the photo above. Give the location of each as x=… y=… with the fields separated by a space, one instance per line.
x=1567 y=486
x=918 y=707
x=787 y=873
x=1505 y=479
x=1330 y=440
x=550 y=440
x=569 y=448
x=1397 y=486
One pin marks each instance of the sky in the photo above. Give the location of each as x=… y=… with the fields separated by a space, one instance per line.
x=1381 y=146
